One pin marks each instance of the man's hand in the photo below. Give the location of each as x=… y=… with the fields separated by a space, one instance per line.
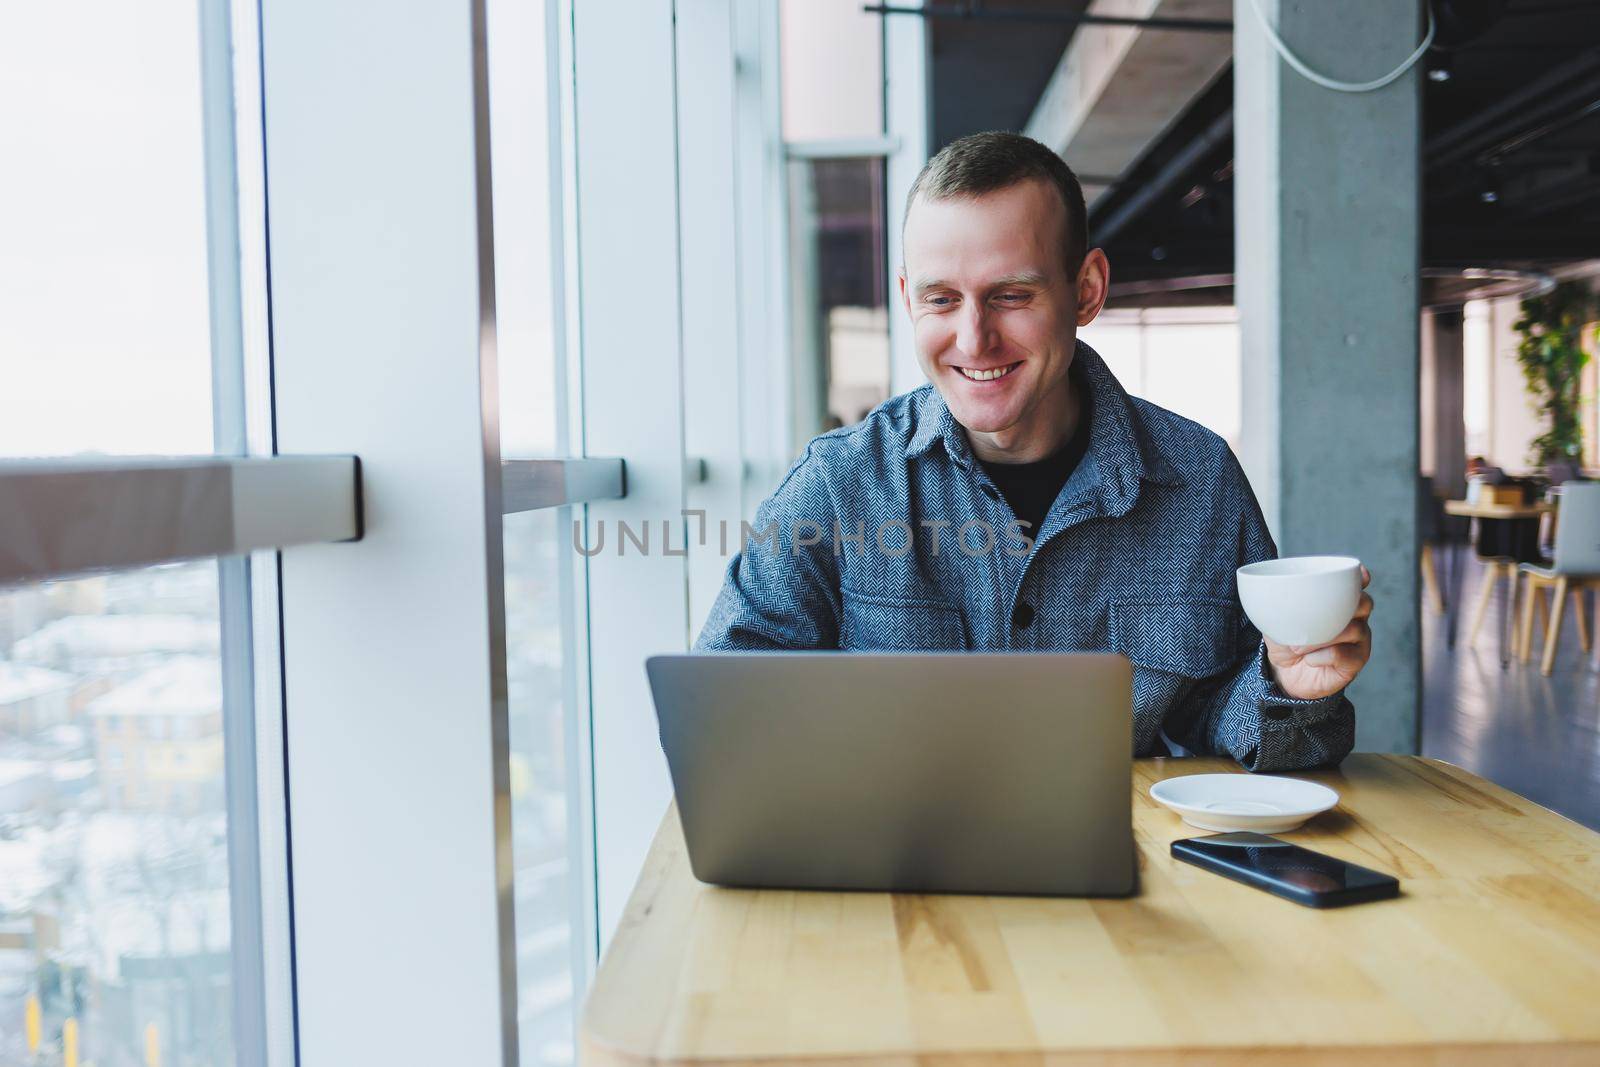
x=1311 y=672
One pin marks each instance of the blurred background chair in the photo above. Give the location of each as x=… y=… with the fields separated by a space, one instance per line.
x=1561 y=473
x=1574 y=568
x=1502 y=546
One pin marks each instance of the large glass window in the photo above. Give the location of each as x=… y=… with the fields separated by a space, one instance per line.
x=1185 y=359
x=832 y=71
x=131 y=858
x=838 y=280
x=104 y=311
x=519 y=100
x=540 y=596
x=1476 y=352
x=547 y=860
x=833 y=132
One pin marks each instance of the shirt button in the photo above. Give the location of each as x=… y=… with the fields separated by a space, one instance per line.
x=1022 y=618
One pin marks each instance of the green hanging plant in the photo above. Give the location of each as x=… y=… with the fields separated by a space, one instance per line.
x=1552 y=358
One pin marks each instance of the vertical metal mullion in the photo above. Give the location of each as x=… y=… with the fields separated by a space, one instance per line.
x=222 y=230
x=583 y=902
x=233 y=573
x=241 y=642
x=573 y=584
x=555 y=205
x=273 y=832
x=494 y=542
x=247 y=936
x=273 y=837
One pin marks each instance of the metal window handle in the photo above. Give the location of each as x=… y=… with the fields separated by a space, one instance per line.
x=530 y=484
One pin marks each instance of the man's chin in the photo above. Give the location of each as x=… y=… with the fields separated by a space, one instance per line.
x=978 y=420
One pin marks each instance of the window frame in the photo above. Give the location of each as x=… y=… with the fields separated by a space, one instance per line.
x=260 y=513
x=316 y=420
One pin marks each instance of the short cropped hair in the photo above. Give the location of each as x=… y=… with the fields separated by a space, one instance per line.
x=986 y=162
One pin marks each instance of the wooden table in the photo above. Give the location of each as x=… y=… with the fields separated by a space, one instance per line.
x=1495 y=512
x=1491 y=955
x=1470 y=510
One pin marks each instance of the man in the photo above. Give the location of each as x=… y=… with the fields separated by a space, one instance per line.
x=1023 y=501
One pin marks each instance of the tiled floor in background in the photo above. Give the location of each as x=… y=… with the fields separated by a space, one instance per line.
x=1534 y=735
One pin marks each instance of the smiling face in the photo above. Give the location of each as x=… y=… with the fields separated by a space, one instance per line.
x=995 y=314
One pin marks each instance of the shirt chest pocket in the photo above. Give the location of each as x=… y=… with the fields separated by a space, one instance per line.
x=870 y=623
x=1192 y=637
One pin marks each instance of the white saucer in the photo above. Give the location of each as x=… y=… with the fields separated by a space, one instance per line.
x=1256 y=802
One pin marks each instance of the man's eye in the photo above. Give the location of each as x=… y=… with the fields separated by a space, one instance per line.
x=940 y=301
x=1014 y=298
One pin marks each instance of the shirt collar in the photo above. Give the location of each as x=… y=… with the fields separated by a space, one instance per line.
x=934 y=423
x=1122 y=450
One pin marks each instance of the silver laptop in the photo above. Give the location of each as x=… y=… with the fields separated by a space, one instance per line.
x=920 y=772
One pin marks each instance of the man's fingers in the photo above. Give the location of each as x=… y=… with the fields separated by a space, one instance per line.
x=1356 y=633
x=1353 y=657
x=1366 y=576
x=1344 y=656
x=1365 y=607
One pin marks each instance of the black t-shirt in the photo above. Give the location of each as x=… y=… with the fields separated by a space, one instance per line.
x=1030 y=488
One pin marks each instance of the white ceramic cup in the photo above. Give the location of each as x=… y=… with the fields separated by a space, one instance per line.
x=1301 y=600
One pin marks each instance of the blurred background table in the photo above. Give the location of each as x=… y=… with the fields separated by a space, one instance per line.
x=1508 y=535
x=1470 y=510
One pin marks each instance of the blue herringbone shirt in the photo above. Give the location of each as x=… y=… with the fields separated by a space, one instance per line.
x=889 y=535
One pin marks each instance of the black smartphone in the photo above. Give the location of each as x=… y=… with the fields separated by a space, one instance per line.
x=1286 y=870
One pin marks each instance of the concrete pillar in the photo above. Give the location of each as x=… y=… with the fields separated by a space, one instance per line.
x=1326 y=261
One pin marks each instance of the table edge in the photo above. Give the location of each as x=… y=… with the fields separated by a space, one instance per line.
x=597 y=1051
x=593 y=1052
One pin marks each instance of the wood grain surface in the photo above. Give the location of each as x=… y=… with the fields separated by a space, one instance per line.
x=1490 y=955
x=1469 y=510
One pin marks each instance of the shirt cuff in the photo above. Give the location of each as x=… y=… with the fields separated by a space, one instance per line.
x=1279 y=708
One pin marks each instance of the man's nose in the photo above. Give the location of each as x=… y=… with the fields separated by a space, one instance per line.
x=975 y=333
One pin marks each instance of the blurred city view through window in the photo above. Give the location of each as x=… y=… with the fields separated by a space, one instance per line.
x=543 y=850
x=114 y=896
x=115 y=922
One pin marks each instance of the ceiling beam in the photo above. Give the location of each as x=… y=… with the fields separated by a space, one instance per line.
x=1118 y=87
x=1488 y=245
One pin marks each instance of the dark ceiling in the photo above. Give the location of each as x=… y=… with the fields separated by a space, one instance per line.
x=1511 y=138
x=988 y=73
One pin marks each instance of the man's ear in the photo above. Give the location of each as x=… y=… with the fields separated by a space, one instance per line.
x=905 y=297
x=1094 y=285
